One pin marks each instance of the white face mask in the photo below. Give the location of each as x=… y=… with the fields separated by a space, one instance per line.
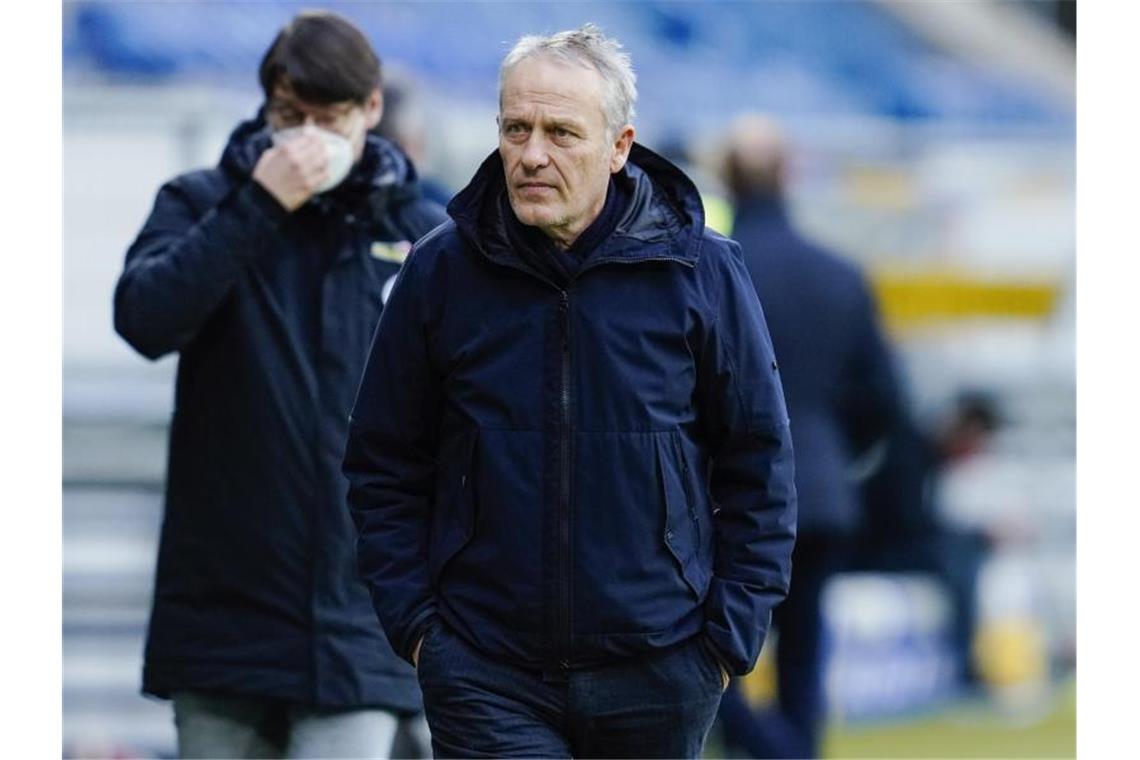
x=338 y=148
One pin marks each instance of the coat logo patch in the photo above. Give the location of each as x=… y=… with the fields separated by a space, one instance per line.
x=393 y=252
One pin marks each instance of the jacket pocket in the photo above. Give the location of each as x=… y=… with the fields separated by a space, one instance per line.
x=453 y=523
x=683 y=533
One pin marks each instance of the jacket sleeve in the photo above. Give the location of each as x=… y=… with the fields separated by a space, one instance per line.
x=751 y=474
x=390 y=463
x=871 y=399
x=184 y=262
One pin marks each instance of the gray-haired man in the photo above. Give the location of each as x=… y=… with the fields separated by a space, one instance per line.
x=569 y=458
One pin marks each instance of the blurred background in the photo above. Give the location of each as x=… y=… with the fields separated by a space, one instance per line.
x=932 y=143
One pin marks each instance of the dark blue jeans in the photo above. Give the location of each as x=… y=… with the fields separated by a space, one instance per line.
x=661 y=705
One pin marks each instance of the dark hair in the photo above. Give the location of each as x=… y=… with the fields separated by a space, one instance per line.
x=323 y=57
x=979 y=408
x=746 y=179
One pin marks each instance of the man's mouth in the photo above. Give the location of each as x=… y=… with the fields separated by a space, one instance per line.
x=533 y=189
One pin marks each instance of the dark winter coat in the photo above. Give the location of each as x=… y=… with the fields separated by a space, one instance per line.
x=571 y=475
x=272 y=313
x=838 y=378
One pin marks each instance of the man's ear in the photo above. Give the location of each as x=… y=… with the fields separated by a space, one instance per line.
x=373 y=108
x=622 y=145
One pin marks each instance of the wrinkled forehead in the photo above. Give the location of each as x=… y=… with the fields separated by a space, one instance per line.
x=569 y=86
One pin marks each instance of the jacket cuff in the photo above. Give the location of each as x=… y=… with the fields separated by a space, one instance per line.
x=256 y=197
x=736 y=624
x=710 y=647
x=416 y=631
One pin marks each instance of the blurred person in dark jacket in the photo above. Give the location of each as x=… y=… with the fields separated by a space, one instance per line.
x=267 y=274
x=570 y=461
x=903 y=530
x=841 y=394
x=402 y=123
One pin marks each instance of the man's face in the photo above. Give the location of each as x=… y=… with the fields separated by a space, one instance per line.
x=347 y=118
x=557 y=155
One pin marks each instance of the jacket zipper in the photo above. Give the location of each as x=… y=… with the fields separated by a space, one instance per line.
x=563 y=623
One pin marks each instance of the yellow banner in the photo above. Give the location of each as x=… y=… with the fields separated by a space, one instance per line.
x=921 y=297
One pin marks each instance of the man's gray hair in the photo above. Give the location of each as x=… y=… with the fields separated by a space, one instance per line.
x=585 y=45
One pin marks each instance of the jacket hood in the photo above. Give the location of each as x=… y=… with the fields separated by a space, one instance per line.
x=383 y=175
x=663 y=219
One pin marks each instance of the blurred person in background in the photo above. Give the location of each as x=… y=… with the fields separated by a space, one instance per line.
x=841 y=393
x=267 y=275
x=570 y=461
x=903 y=530
x=718 y=210
x=402 y=123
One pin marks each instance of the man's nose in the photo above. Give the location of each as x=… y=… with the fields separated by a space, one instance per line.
x=535 y=155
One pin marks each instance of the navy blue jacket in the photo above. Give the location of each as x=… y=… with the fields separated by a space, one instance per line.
x=838 y=378
x=567 y=476
x=272 y=313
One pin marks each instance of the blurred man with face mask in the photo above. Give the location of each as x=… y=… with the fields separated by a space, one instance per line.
x=267 y=275
x=570 y=460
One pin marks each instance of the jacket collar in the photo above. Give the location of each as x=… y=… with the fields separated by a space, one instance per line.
x=664 y=220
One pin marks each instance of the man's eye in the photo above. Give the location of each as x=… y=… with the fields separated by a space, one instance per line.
x=514 y=129
x=289 y=115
